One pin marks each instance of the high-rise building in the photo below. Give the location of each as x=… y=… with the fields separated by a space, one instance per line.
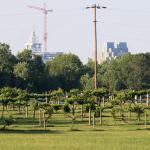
x=36 y=48
x=112 y=50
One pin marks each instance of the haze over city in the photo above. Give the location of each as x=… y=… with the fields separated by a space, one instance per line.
x=70 y=24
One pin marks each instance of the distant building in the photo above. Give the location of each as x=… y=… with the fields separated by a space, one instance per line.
x=47 y=56
x=34 y=44
x=36 y=48
x=112 y=50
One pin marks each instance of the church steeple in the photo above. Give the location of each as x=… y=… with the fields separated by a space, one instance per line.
x=33 y=38
x=33 y=43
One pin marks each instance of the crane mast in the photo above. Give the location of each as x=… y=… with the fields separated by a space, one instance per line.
x=45 y=12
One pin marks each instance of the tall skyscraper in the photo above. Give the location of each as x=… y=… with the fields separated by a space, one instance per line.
x=112 y=50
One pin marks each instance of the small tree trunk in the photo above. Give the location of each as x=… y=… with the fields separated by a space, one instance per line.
x=115 y=121
x=145 y=120
x=58 y=100
x=33 y=114
x=2 y=112
x=26 y=111
x=135 y=98
x=93 y=120
x=121 y=114
x=82 y=112
x=89 y=116
x=147 y=99
x=73 y=119
x=40 y=119
x=100 y=117
x=140 y=99
x=19 y=109
x=129 y=115
x=46 y=100
x=114 y=117
x=13 y=106
x=73 y=110
x=138 y=119
x=6 y=107
x=103 y=101
x=44 y=121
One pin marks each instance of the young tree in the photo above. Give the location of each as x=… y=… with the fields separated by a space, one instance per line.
x=57 y=95
x=47 y=113
x=24 y=98
x=7 y=95
x=34 y=106
x=81 y=101
x=139 y=110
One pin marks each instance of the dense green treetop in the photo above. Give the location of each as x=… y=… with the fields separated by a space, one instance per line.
x=127 y=72
x=67 y=69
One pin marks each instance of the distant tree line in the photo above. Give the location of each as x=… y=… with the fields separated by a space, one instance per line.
x=28 y=72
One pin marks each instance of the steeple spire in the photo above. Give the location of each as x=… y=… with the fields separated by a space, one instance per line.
x=33 y=38
x=34 y=44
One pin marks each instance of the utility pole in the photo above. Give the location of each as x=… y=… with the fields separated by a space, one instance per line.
x=95 y=7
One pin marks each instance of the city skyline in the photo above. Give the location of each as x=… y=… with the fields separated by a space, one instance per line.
x=70 y=25
x=112 y=50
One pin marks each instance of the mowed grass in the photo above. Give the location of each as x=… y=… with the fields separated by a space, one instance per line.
x=60 y=135
x=77 y=140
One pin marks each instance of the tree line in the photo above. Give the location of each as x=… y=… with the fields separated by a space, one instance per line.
x=28 y=72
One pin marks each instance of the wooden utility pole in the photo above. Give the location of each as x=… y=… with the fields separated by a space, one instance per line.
x=95 y=7
x=95 y=47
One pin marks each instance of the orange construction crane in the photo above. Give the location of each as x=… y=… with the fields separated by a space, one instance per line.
x=45 y=11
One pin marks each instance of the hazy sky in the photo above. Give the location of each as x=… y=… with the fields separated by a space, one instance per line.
x=70 y=25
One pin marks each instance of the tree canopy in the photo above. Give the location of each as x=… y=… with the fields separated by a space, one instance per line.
x=67 y=70
x=29 y=72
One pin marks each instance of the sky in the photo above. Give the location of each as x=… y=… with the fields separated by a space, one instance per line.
x=70 y=27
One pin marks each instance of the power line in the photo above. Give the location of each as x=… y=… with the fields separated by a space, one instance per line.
x=125 y=37
x=127 y=25
x=77 y=10
x=69 y=10
x=129 y=10
x=17 y=14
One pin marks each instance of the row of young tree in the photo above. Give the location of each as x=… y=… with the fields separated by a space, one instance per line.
x=74 y=104
x=29 y=72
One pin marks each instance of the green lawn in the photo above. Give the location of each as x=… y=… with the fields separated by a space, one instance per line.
x=114 y=139
x=26 y=135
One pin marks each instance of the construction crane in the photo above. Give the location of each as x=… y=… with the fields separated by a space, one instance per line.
x=45 y=11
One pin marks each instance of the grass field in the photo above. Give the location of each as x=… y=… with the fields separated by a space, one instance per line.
x=79 y=140
x=60 y=135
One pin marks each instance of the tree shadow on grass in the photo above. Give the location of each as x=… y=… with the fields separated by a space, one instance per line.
x=143 y=129
x=26 y=121
x=147 y=129
x=94 y=129
x=15 y=131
